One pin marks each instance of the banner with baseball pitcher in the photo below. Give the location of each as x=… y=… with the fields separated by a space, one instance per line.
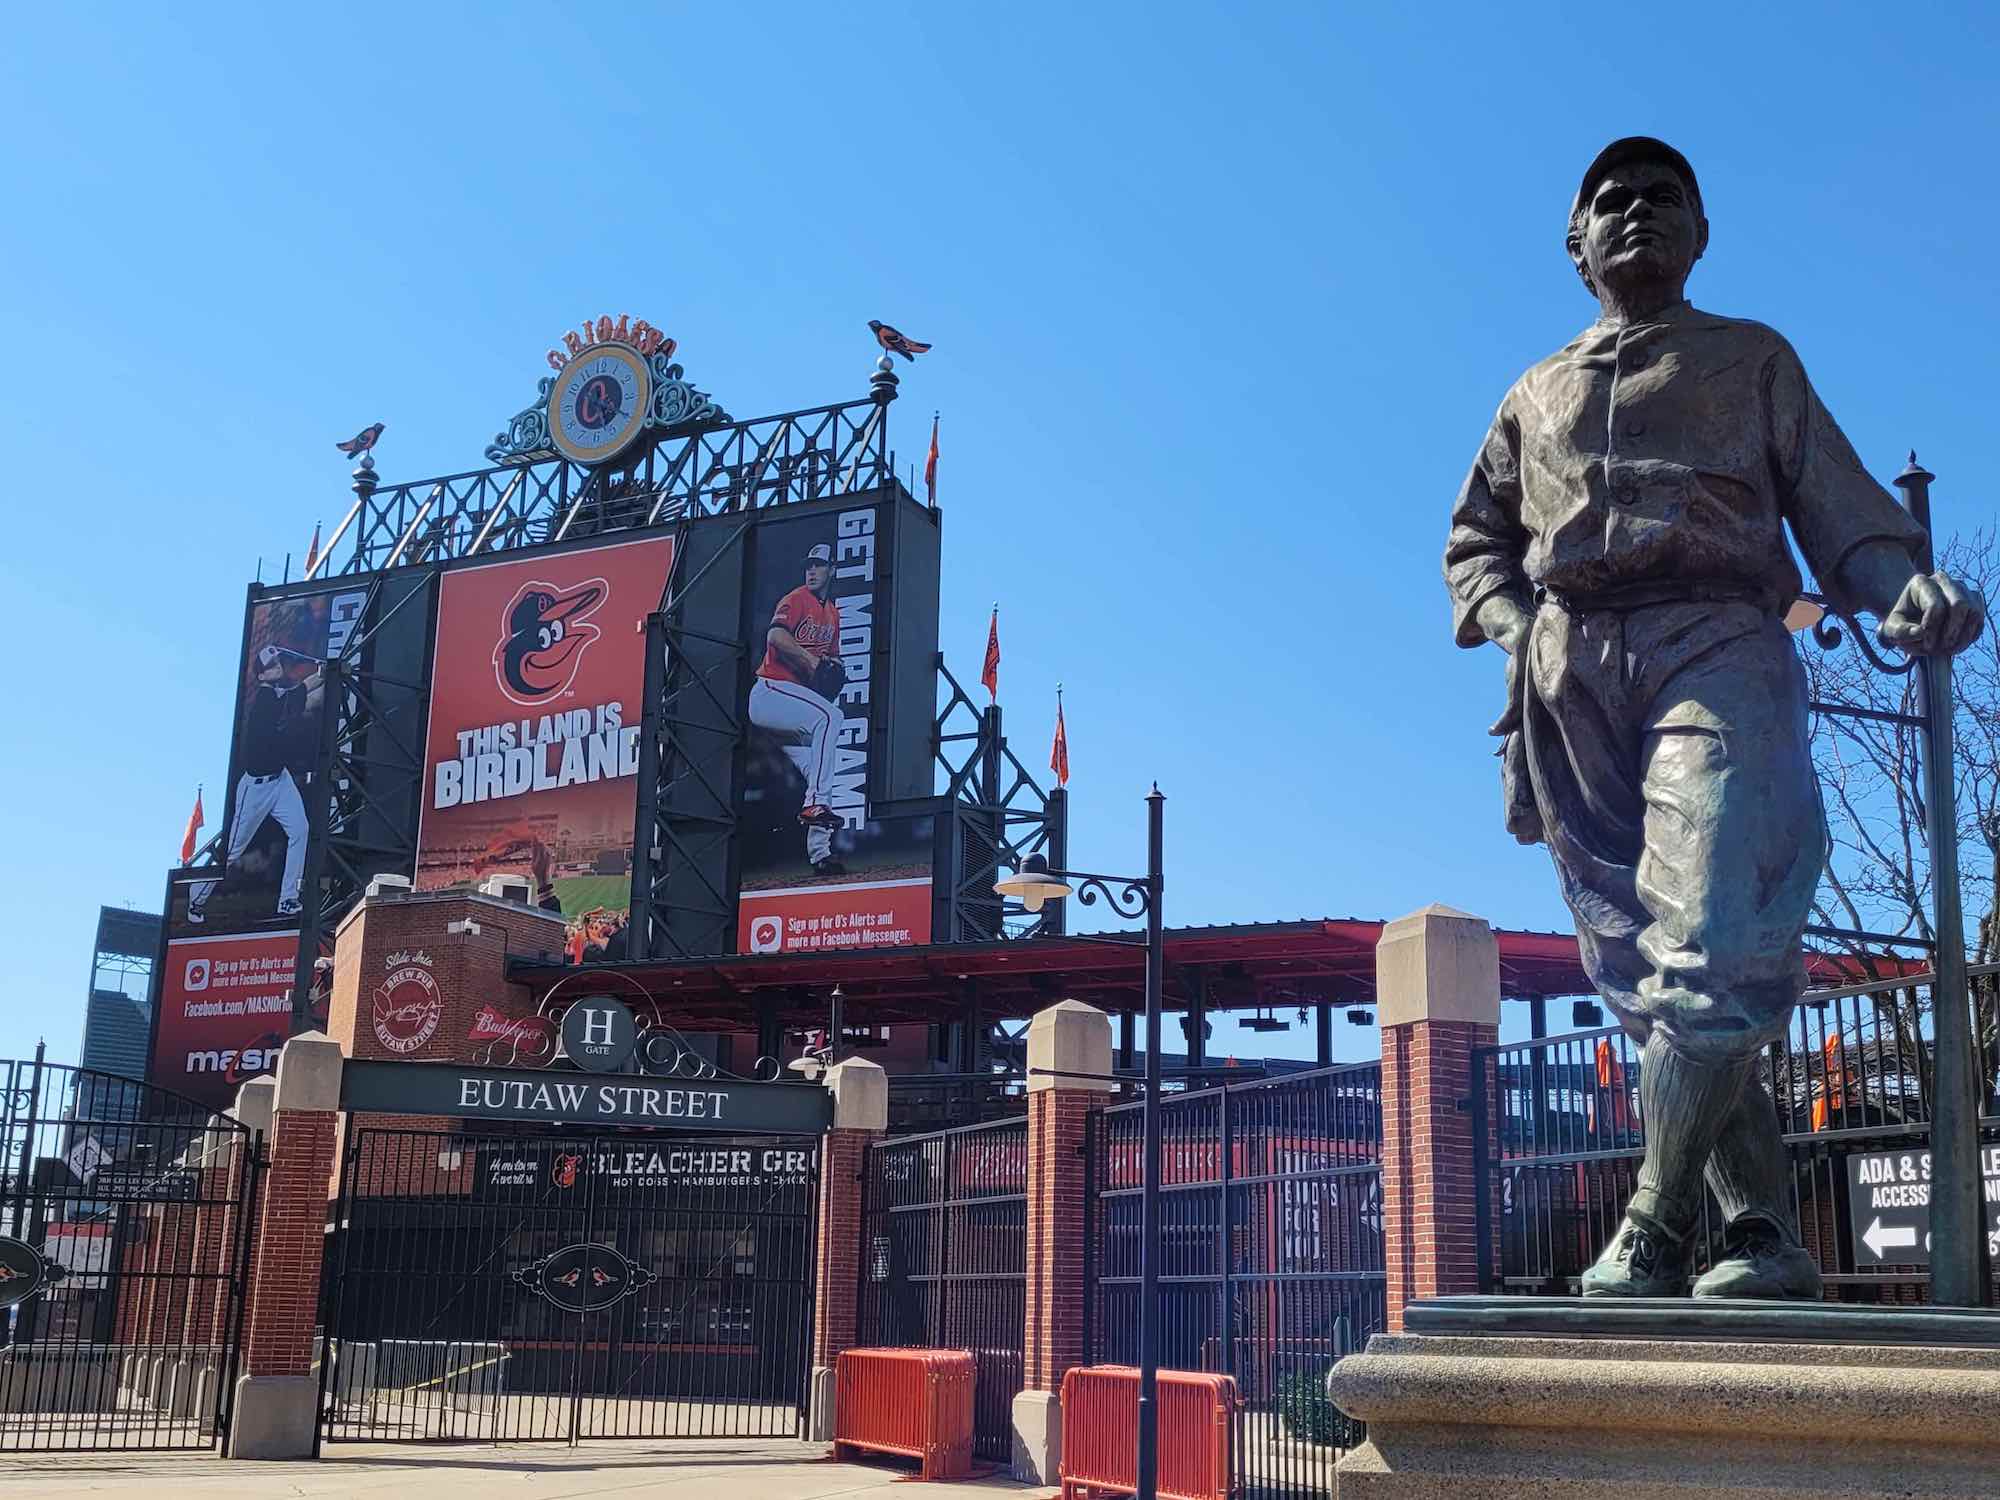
x=821 y=866
x=532 y=754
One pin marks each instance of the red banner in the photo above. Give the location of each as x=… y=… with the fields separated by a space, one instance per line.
x=225 y=1010
x=533 y=747
x=814 y=919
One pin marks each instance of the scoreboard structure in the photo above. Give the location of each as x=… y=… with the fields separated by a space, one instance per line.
x=559 y=670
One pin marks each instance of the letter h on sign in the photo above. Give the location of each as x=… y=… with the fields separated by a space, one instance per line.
x=597 y=1028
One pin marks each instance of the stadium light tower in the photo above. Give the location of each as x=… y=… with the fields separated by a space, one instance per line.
x=1034 y=884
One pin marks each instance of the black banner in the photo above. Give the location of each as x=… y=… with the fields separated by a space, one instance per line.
x=428 y=1088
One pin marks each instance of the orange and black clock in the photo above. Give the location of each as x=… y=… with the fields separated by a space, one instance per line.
x=599 y=402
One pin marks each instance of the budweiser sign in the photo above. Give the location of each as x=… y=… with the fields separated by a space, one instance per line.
x=511 y=1041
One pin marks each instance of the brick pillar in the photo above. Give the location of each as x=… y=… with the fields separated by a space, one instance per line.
x=1437 y=975
x=277 y=1397
x=860 y=1092
x=1066 y=1039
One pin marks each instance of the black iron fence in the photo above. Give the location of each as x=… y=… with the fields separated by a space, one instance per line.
x=1271 y=1254
x=1559 y=1135
x=944 y=1257
x=525 y=1286
x=126 y=1213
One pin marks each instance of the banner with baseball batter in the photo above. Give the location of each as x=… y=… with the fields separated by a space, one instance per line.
x=287 y=642
x=532 y=754
x=821 y=867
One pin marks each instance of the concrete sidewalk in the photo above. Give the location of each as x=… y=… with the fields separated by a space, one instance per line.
x=697 y=1469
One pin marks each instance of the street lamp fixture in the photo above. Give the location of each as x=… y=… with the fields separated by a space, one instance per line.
x=1033 y=884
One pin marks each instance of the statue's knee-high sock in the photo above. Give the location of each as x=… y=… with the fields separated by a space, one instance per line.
x=1746 y=1170
x=1685 y=1104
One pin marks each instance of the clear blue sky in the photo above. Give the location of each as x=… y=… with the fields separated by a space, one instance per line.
x=1223 y=298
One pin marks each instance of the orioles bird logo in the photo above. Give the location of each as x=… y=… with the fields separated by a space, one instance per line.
x=565 y=1170
x=543 y=633
x=9 y=1273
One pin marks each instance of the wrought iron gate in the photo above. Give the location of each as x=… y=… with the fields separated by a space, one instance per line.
x=1271 y=1255
x=125 y=1220
x=944 y=1240
x=527 y=1287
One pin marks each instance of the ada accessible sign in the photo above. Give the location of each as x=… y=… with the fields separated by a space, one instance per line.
x=1889 y=1205
x=416 y=1088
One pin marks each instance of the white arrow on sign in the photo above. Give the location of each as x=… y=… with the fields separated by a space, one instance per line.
x=1878 y=1239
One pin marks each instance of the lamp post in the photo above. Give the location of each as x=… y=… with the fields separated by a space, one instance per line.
x=1033 y=884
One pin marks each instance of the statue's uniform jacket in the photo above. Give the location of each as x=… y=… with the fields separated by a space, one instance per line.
x=1638 y=483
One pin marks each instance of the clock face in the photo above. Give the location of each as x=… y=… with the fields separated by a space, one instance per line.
x=599 y=402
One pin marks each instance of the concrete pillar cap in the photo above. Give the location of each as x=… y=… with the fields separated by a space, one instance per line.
x=1437 y=964
x=309 y=1073
x=1069 y=1038
x=254 y=1103
x=860 y=1092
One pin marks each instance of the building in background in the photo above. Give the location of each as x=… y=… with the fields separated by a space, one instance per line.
x=119 y=1020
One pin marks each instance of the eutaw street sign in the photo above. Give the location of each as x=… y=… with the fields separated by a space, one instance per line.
x=1889 y=1205
x=724 y=1104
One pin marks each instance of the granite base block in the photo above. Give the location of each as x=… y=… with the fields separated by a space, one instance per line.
x=1479 y=1417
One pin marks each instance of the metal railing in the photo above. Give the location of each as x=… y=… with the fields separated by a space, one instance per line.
x=133 y=1208
x=1559 y=1135
x=944 y=1238
x=704 y=471
x=1271 y=1246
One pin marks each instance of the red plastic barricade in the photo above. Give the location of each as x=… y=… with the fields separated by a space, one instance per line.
x=1100 y=1405
x=913 y=1402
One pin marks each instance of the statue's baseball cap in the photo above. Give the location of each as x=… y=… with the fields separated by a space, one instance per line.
x=822 y=554
x=1633 y=148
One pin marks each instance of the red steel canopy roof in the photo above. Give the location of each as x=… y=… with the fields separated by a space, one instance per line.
x=1278 y=964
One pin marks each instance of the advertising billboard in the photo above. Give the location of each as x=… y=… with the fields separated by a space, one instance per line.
x=821 y=866
x=532 y=753
x=224 y=1011
x=287 y=641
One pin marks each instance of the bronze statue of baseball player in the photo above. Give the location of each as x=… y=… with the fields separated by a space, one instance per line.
x=1622 y=537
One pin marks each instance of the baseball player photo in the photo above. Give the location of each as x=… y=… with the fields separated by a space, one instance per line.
x=278 y=729
x=797 y=698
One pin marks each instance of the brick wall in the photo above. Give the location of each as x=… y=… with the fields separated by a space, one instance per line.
x=1430 y=1232
x=1053 y=1331
x=386 y=933
x=469 y=969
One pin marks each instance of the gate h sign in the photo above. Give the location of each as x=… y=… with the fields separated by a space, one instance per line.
x=1889 y=1205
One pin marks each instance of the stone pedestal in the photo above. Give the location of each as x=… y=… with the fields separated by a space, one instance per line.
x=1670 y=1401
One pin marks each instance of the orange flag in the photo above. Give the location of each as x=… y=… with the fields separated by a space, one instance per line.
x=312 y=552
x=1835 y=1078
x=195 y=821
x=989 y=675
x=930 y=464
x=1611 y=1078
x=1059 y=751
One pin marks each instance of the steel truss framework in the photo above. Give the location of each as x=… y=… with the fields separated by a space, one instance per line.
x=372 y=777
x=687 y=473
x=1000 y=816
